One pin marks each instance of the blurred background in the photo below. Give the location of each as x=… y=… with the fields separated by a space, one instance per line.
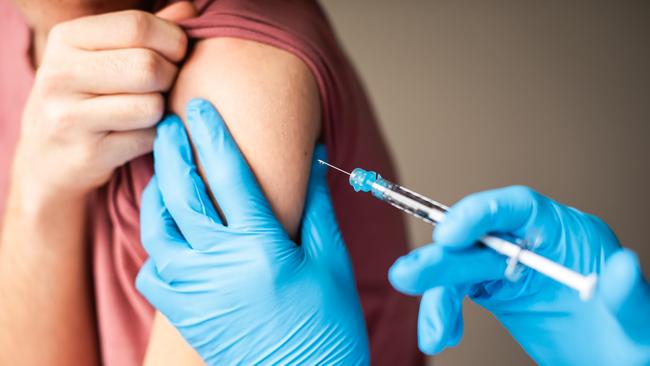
x=474 y=95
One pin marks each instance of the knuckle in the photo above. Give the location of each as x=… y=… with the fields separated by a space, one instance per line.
x=58 y=117
x=471 y=200
x=58 y=33
x=598 y=223
x=151 y=107
x=136 y=25
x=84 y=159
x=148 y=66
x=87 y=153
x=181 y=44
x=523 y=192
x=50 y=79
x=138 y=145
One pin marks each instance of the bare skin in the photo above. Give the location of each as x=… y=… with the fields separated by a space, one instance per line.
x=75 y=132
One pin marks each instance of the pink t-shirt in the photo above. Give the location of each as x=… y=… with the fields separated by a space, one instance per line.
x=374 y=234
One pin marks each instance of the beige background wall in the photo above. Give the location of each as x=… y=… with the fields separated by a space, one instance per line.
x=481 y=94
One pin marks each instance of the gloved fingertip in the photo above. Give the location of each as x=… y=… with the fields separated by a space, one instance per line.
x=169 y=119
x=318 y=170
x=430 y=340
x=170 y=135
x=626 y=294
x=454 y=231
x=429 y=348
x=403 y=275
x=197 y=105
x=204 y=121
x=618 y=280
x=168 y=126
x=440 y=322
x=318 y=199
x=320 y=152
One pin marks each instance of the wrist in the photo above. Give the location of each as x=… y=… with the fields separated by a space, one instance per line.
x=43 y=223
x=34 y=205
x=33 y=196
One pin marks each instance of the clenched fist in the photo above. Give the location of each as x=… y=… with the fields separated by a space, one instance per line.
x=96 y=97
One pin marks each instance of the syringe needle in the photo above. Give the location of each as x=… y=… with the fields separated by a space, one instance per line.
x=333 y=167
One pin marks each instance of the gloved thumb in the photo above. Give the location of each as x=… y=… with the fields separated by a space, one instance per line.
x=627 y=294
x=320 y=234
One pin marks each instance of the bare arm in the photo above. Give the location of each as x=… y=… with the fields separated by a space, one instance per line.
x=92 y=108
x=46 y=313
x=270 y=103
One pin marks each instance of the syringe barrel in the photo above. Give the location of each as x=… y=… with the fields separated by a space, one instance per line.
x=404 y=199
x=432 y=212
x=408 y=201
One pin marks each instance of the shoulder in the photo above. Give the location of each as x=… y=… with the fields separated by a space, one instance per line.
x=270 y=103
x=248 y=76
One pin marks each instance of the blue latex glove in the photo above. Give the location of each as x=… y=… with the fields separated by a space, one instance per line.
x=627 y=295
x=549 y=320
x=244 y=293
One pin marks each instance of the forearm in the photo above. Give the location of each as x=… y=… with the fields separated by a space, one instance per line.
x=46 y=312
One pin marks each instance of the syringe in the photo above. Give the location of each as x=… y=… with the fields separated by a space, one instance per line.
x=432 y=212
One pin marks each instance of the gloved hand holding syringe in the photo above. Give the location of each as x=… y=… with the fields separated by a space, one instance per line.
x=432 y=212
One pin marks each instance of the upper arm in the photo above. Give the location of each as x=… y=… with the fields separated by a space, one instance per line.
x=270 y=103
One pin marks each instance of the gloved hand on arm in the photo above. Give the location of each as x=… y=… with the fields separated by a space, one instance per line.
x=549 y=320
x=244 y=293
